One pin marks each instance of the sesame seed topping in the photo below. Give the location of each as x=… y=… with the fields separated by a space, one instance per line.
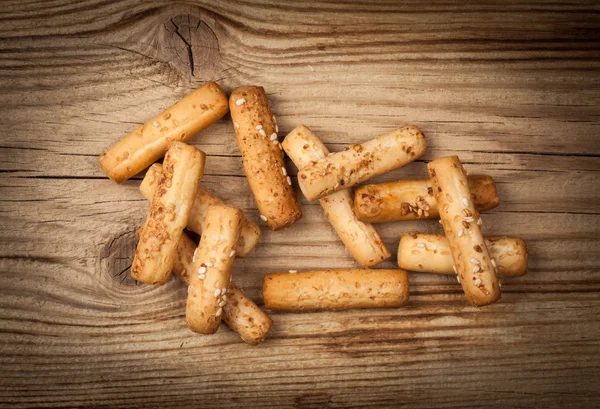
x=222 y=304
x=280 y=147
x=289 y=180
x=458 y=278
x=236 y=125
x=276 y=128
x=273 y=136
x=283 y=171
x=421 y=245
x=194 y=258
x=460 y=233
x=475 y=261
x=476 y=269
x=208 y=264
x=232 y=253
x=275 y=142
x=440 y=221
x=202 y=270
x=224 y=298
x=274 y=119
x=263 y=217
x=201 y=276
x=219 y=312
x=478 y=281
x=217 y=292
x=494 y=263
x=224 y=290
x=465 y=201
x=189 y=289
x=240 y=101
x=156 y=124
x=262 y=132
x=455 y=272
x=258 y=127
x=488 y=244
x=469 y=219
x=293 y=271
x=479 y=221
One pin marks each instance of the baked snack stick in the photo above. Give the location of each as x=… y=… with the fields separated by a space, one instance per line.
x=179 y=122
x=249 y=234
x=461 y=223
x=430 y=253
x=335 y=289
x=361 y=239
x=262 y=156
x=211 y=275
x=358 y=163
x=169 y=213
x=413 y=199
x=240 y=313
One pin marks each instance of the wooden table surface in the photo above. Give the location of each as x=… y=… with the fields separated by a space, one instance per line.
x=512 y=88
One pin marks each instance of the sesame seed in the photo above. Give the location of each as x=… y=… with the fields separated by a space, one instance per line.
x=458 y=278
x=421 y=245
x=219 y=312
x=476 y=269
x=240 y=101
x=289 y=180
x=460 y=233
x=283 y=171
x=440 y=221
x=224 y=298
x=465 y=201
x=273 y=136
x=232 y=253
x=475 y=261
x=208 y=264
x=156 y=124
x=230 y=279
x=201 y=276
x=479 y=222
x=478 y=281
x=202 y=270
x=189 y=289
x=263 y=217
x=236 y=125
x=224 y=290
x=494 y=263
x=258 y=127
x=280 y=147
x=293 y=271
x=217 y=292
x=275 y=142
x=274 y=119
x=454 y=268
x=276 y=128
x=469 y=219
x=488 y=244
x=194 y=258
x=262 y=132
x=222 y=304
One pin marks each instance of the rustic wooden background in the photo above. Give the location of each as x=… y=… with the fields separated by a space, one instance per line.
x=513 y=88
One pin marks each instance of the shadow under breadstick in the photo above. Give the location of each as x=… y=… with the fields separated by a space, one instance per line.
x=250 y=232
x=430 y=253
x=179 y=122
x=414 y=199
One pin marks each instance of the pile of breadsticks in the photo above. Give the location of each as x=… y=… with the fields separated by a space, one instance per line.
x=179 y=202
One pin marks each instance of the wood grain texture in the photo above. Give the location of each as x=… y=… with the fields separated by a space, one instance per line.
x=513 y=88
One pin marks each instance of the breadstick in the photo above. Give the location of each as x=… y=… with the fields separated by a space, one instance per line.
x=239 y=313
x=256 y=132
x=168 y=215
x=461 y=223
x=361 y=239
x=413 y=199
x=179 y=122
x=430 y=253
x=250 y=232
x=207 y=293
x=335 y=289
x=358 y=163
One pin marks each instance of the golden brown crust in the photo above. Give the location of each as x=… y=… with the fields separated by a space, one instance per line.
x=207 y=294
x=250 y=232
x=169 y=213
x=358 y=163
x=240 y=313
x=256 y=133
x=413 y=199
x=430 y=253
x=335 y=289
x=361 y=239
x=179 y=122
x=461 y=223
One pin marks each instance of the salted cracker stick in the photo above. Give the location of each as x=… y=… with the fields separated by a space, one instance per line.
x=430 y=253
x=361 y=239
x=207 y=294
x=461 y=223
x=262 y=156
x=240 y=313
x=413 y=199
x=179 y=122
x=358 y=163
x=335 y=289
x=250 y=232
x=169 y=213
